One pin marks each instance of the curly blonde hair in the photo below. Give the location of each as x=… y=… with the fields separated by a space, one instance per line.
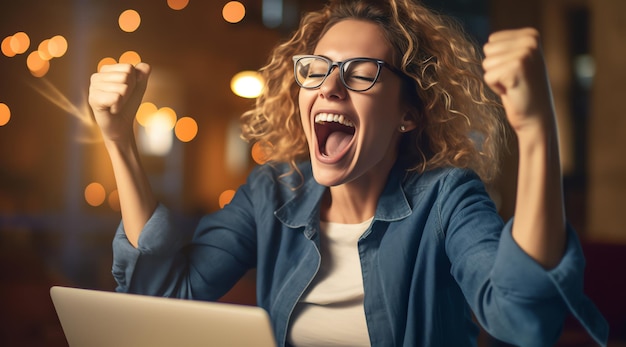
x=460 y=123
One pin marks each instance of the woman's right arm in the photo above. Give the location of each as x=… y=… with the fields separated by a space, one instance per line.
x=114 y=96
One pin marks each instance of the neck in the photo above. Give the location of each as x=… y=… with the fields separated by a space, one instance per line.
x=352 y=202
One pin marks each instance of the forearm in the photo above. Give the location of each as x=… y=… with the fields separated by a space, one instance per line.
x=137 y=201
x=539 y=226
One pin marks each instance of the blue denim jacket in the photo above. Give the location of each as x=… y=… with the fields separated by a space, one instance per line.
x=436 y=251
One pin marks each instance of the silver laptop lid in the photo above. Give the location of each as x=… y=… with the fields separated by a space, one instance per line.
x=98 y=318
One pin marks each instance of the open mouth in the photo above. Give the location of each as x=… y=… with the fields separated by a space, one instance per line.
x=334 y=133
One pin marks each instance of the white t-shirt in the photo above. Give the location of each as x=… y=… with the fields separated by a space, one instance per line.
x=330 y=312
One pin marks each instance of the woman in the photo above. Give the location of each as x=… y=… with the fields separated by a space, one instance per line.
x=371 y=224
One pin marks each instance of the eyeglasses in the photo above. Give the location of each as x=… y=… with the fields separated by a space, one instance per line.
x=356 y=74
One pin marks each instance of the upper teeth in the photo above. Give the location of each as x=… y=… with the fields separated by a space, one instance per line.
x=330 y=117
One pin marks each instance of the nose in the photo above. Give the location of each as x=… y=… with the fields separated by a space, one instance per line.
x=332 y=87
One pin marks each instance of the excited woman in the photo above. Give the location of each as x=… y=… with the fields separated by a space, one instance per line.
x=370 y=224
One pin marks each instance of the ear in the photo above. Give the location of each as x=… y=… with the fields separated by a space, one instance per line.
x=408 y=122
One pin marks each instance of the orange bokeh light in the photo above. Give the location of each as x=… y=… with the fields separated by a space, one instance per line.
x=95 y=194
x=6 y=47
x=233 y=12
x=129 y=21
x=177 y=4
x=166 y=114
x=114 y=200
x=44 y=50
x=20 y=42
x=57 y=46
x=186 y=129
x=5 y=114
x=260 y=152
x=38 y=67
x=130 y=57
x=144 y=112
x=106 y=61
x=226 y=197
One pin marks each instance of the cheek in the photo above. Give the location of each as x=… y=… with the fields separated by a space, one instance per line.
x=304 y=105
x=383 y=119
x=386 y=112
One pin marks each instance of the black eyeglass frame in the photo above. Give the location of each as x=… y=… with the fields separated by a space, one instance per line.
x=339 y=65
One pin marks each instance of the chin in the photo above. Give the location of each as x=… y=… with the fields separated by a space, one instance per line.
x=328 y=178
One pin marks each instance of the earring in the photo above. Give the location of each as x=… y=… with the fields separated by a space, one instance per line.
x=402 y=128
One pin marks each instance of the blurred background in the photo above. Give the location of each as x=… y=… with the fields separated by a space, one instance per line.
x=58 y=203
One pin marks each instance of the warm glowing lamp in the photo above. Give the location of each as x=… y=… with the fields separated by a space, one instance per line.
x=156 y=137
x=247 y=84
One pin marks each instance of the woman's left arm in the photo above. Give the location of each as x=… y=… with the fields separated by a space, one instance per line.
x=515 y=70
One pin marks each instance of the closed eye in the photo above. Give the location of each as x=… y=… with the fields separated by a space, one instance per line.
x=363 y=78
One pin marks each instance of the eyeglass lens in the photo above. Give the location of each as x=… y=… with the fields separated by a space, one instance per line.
x=357 y=74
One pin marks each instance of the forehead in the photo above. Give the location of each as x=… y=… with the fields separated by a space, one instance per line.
x=352 y=38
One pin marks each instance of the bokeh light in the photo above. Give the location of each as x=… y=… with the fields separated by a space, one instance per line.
x=233 y=12
x=106 y=61
x=186 y=129
x=130 y=57
x=165 y=116
x=57 y=47
x=95 y=194
x=5 y=114
x=129 y=21
x=38 y=67
x=44 y=50
x=20 y=42
x=6 y=47
x=226 y=197
x=272 y=13
x=114 y=200
x=144 y=112
x=247 y=84
x=156 y=137
x=177 y=4
x=260 y=152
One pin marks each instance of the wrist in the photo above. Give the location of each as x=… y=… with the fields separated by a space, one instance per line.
x=537 y=134
x=123 y=144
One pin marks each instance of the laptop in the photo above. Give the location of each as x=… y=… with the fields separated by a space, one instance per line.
x=98 y=318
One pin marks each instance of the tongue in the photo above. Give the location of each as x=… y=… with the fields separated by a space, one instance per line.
x=336 y=142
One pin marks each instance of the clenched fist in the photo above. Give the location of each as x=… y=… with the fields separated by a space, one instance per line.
x=515 y=70
x=115 y=93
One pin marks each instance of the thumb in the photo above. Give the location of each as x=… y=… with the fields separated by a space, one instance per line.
x=142 y=73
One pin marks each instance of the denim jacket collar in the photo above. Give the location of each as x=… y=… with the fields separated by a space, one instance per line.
x=303 y=209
